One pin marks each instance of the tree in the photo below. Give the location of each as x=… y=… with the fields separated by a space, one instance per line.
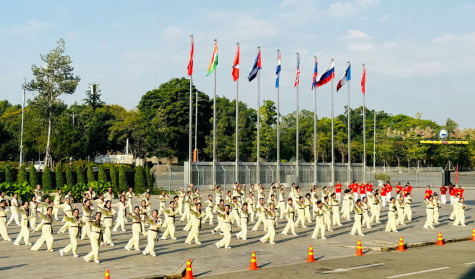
x=80 y=175
x=90 y=174
x=139 y=180
x=102 y=175
x=69 y=176
x=33 y=176
x=114 y=178
x=9 y=174
x=123 y=185
x=47 y=179
x=23 y=176
x=52 y=80
x=59 y=176
x=148 y=177
x=93 y=96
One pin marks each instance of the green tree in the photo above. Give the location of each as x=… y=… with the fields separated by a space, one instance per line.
x=47 y=179
x=114 y=178
x=123 y=185
x=52 y=80
x=93 y=96
x=90 y=174
x=9 y=174
x=33 y=176
x=139 y=180
x=69 y=176
x=59 y=176
x=102 y=175
x=148 y=177
x=23 y=176
x=80 y=175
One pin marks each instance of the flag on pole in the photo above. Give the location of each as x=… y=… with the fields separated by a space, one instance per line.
x=190 y=63
x=315 y=74
x=327 y=75
x=363 y=81
x=236 y=65
x=297 y=75
x=214 y=59
x=277 y=71
x=346 y=77
x=457 y=175
x=256 y=67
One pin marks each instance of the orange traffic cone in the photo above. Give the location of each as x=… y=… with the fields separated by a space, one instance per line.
x=359 y=250
x=440 y=240
x=473 y=235
x=189 y=272
x=310 y=257
x=401 y=245
x=107 y=276
x=253 y=262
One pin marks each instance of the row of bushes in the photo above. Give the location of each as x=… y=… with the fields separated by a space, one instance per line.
x=120 y=178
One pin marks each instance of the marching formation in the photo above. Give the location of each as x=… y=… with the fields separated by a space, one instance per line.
x=232 y=211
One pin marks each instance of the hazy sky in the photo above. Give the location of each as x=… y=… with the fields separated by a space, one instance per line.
x=420 y=55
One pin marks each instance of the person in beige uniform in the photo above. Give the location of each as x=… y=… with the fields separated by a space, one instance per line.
x=401 y=205
x=152 y=234
x=251 y=205
x=358 y=218
x=107 y=215
x=196 y=217
x=326 y=213
x=34 y=206
x=3 y=221
x=436 y=208
x=407 y=207
x=366 y=208
x=75 y=224
x=290 y=212
x=57 y=202
x=228 y=218
x=376 y=208
x=24 y=234
x=46 y=231
x=95 y=236
x=391 y=226
x=308 y=202
x=218 y=210
x=244 y=215
x=271 y=216
x=170 y=216
x=209 y=210
x=39 y=194
x=460 y=212
x=218 y=193
x=129 y=196
x=136 y=229
x=430 y=213
x=187 y=208
x=261 y=215
x=192 y=206
x=300 y=212
x=162 y=201
x=335 y=205
x=144 y=211
x=87 y=209
x=235 y=211
x=68 y=211
x=320 y=221
x=109 y=195
x=181 y=199
x=121 y=214
x=14 y=203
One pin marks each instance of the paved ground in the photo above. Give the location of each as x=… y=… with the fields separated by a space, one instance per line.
x=208 y=260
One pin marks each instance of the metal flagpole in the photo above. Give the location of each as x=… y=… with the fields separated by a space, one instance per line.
x=315 y=157
x=349 y=132
x=190 y=126
x=278 y=130
x=374 y=142
x=258 y=171
x=333 y=153
x=22 y=121
x=364 y=135
x=214 y=124
x=297 y=130
x=196 y=124
x=237 y=128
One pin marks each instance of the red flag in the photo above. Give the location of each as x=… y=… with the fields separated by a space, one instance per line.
x=236 y=65
x=363 y=81
x=457 y=175
x=190 y=64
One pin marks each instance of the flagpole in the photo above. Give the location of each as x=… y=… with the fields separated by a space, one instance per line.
x=196 y=125
x=349 y=132
x=315 y=157
x=364 y=135
x=190 y=125
x=214 y=124
x=297 y=130
x=333 y=153
x=258 y=170
x=278 y=130
x=374 y=142
x=237 y=128
x=22 y=117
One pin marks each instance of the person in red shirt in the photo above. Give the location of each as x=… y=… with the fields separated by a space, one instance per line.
x=398 y=188
x=451 y=193
x=443 y=197
x=407 y=189
x=389 y=189
x=338 y=190
x=428 y=192
x=355 y=189
x=383 y=195
x=460 y=191
x=369 y=187
x=362 y=190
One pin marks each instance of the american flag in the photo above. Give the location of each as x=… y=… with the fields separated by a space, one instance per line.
x=297 y=77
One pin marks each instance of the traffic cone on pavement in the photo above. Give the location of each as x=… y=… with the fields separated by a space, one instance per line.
x=310 y=257
x=189 y=272
x=359 y=250
x=473 y=235
x=440 y=240
x=107 y=276
x=253 y=261
x=401 y=245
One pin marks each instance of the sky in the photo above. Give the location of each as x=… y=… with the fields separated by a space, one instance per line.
x=419 y=55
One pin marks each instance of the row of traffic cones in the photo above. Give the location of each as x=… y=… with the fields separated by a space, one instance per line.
x=310 y=258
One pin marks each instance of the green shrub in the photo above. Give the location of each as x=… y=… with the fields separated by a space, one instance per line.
x=148 y=177
x=69 y=176
x=90 y=174
x=114 y=179
x=123 y=185
x=23 y=176
x=382 y=176
x=33 y=177
x=47 y=179
x=139 y=180
x=102 y=175
x=80 y=175
x=9 y=174
x=59 y=176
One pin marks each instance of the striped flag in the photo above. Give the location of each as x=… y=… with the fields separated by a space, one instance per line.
x=297 y=75
x=214 y=59
x=363 y=81
x=236 y=65
x=277 y=71
x=346 y=77
x=315 y=74
x=327 y=75
x=190 y=63
x=256 y=67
